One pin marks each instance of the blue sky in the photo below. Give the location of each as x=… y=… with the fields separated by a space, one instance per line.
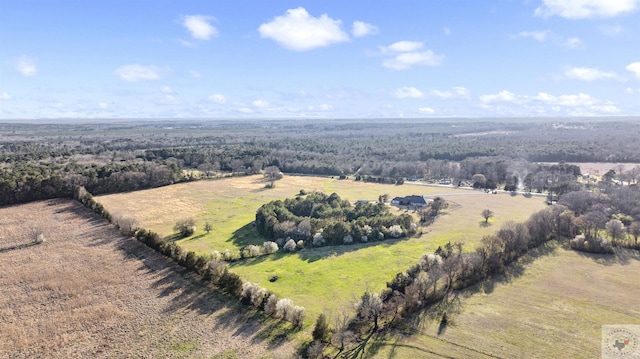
x=326 y=59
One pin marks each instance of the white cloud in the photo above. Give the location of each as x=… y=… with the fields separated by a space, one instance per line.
x=588 y=74
x=446 y=30
x=103 y=105
x=406 y=54
x=426 y=110
x=538 y=35
x=455 y=92
x=168 y=97
x=360 y=29
x=579 y=100
x=5 y=96
x=461 y=91
x=218 y=98
x=136 y=73
x=502 y=96
x=199 y=26
x=408 y=92
x=26 y=66
x=297 y=30
x=407 y=60
x=635 y=68
x=403 y=46
x=582 y=9
x=260 y=103
x=573 y=105
x=573 y=43
x=195 y=74
x=245 y=110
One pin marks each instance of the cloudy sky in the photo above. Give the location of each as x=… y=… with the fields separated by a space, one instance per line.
x=323 y=58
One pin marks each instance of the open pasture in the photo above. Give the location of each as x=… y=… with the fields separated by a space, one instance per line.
x=554 y=308
x=316 y=278
x=88 y=292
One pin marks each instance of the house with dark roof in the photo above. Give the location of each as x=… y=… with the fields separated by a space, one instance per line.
x=409 y=201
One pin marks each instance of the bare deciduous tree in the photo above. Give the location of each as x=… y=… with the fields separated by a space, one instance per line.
x=615 y=230
x=487 y=213
x=272 y=174
x=207 y=227
x=634 y=230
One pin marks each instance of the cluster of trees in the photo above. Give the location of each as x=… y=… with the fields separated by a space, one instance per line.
x=590 y=218
x=319 y=219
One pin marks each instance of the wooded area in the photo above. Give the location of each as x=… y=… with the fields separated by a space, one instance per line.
x=40 y=161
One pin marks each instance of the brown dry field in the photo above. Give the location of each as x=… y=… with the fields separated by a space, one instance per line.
x=88 y=292
x=553 y=306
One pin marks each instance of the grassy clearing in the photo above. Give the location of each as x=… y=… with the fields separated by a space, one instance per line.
x=554 y=310
x=327 y=278
x=88 y=292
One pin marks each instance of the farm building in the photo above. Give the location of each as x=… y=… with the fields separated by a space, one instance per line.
x=409 y=201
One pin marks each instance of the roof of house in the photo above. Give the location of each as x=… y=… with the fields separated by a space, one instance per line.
x=412 y=200
x=416 y=199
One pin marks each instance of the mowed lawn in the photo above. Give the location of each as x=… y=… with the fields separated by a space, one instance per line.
x=328 y=278
x=555 y=309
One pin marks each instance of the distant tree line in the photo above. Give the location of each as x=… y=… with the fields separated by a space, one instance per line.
x=49 y=160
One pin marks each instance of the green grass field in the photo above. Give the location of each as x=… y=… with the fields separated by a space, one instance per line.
x=326 y=278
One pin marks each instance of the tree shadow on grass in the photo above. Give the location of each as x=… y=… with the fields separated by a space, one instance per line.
x=313 y=254
x=484 y=224
x=187 y=291
x=245 y=236
x=511 y=271
x=621 y=256
x=184 y=291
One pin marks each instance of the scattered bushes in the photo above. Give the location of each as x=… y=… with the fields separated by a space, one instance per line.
x=395 y=231
x=270 y=305
x=290 y=245
x=318 y=239
x=250 y=251
x=591 y=245
x=185 y=227
x=270 y=247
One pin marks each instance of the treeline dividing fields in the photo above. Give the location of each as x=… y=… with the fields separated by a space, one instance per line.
x=582 y=220
x=40 y=161
x=211 y=269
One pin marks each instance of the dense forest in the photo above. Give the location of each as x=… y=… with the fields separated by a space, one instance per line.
x=45 y=160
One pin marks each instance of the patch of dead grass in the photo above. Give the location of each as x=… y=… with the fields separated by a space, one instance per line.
x=88 y=292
